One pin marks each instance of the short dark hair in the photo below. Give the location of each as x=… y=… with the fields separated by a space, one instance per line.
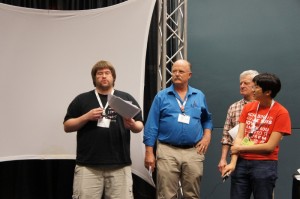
x=268 y=82
x=102 y=64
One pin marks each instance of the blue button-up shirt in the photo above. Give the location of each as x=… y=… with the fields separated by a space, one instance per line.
x=162 y=122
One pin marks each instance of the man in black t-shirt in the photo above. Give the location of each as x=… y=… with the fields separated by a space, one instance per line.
x=103 y=139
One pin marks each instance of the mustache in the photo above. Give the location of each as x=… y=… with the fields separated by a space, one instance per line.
x=177 y=78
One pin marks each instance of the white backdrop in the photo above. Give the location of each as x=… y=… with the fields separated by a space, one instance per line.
x=45 y=61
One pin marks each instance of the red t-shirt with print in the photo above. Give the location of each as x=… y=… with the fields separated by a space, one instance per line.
x=277 y=120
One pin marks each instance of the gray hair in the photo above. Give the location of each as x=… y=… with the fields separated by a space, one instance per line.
x=251 y=73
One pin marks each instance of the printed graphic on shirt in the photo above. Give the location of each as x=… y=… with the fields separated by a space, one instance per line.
x=257 y=128
x=110 y=114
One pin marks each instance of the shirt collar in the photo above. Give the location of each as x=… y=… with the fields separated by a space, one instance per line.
x=246 y=102
x=171 y=89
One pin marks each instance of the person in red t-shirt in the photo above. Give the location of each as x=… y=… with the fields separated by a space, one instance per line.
x=254 y=155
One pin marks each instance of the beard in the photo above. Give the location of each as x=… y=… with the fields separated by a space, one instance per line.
x=104 y=85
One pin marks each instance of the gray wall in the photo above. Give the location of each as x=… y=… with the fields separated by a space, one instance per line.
x=227 y=37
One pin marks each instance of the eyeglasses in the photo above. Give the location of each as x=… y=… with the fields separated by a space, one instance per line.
x=255 y=87
x=179 y=72
x=102 y=73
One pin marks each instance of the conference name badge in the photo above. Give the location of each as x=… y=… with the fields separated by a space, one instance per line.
x=103 y=122
x=184 y=118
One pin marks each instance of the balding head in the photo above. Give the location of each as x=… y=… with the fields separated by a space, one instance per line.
x=182 y=62
x=181 y=73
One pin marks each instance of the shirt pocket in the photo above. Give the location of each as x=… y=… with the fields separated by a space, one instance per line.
x=195 y=113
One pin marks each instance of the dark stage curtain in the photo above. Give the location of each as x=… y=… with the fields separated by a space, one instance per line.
x=53 y=179
x=63 y=4
x=33 y=179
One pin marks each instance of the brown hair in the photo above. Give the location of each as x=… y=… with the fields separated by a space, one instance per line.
x=102 y=64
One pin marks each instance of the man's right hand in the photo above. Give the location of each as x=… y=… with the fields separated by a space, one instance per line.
x=222 y=165
x=94 y=114
x=149 y=158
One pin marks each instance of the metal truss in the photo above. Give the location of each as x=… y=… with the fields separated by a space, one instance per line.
x=172 y=37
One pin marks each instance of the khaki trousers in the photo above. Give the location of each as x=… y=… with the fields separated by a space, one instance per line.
x=93 y=182
x=178 y=166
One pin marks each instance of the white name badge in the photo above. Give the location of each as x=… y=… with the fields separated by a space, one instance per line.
x=103 y=122
x=184 y=118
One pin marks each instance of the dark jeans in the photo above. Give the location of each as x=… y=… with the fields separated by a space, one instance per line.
x=253 y=176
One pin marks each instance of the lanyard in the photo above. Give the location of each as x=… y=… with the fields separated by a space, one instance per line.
x=100 y=103
x=253 y=127
x=181 y=106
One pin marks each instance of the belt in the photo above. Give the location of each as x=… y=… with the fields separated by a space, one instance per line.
x=179 y=146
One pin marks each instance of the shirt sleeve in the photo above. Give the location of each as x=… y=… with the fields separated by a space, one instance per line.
x=283 y=123
x=152 y=123
x=206 y=120
x=226 y=138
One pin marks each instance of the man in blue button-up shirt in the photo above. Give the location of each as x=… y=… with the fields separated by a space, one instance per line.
x=180 y=123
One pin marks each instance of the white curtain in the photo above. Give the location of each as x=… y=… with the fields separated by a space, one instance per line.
x=45 y=61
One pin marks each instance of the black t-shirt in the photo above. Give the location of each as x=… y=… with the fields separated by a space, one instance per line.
x=97 y=146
